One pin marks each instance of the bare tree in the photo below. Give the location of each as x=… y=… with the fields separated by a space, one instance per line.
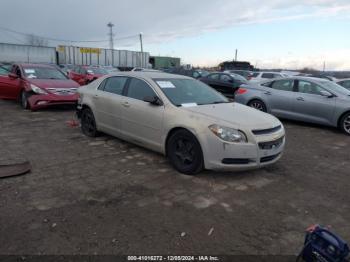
x=36 y=40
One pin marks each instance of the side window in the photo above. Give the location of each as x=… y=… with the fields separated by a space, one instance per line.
x=102 y=85
x=267 y=75
x=284 y=85
x=345 y=84
x=309 y=88
x=268 y=84
x=226 y=78
x=255 y=74
x=115 y=85
x=139 y=89
x=3 y=71
x=213 y=76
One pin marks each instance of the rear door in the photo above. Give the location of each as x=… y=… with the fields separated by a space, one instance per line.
x=10 y=88
x=311 y=106
x=108 y=103
x=142 y=121
x=227 y=85
x=280 y=97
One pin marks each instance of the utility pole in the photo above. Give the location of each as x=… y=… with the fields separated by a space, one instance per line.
x=324 y=66
x=141 y=60
x=236 y=55
x=141 y=43
x=111 y=35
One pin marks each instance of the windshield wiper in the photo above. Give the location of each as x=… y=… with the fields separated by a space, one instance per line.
x=215 y=102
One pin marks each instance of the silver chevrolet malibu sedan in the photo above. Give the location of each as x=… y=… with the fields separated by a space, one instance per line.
x=182 y=118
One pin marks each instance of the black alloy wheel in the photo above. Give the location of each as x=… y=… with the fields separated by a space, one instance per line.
x=258 y=104
x=185 y=153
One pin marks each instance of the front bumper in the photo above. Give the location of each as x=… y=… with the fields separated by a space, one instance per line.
x=43 y=101
x=220 y=155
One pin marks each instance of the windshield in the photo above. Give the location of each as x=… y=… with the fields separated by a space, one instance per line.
x=338 y=88
x=185 y=92
x=43 y=73
x=96 y=70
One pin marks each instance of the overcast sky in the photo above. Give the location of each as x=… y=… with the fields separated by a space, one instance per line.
x=276 y=33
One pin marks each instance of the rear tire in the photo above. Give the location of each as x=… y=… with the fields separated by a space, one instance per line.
x=344 y=124
x=88 y=123
x=258 y=104
x=185 y=152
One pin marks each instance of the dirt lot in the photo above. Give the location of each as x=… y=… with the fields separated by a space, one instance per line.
x=106 y=196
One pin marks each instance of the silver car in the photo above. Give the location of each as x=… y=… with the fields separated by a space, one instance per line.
x=182 y=118
x=306 y=99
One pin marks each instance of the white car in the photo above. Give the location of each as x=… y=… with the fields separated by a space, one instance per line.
x=182 y=118
x=261 y=76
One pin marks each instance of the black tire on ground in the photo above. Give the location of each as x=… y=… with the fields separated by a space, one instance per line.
x=88 y=123
x=258 y=104
x=344 y=124
x=185 y=152
x=23 y=99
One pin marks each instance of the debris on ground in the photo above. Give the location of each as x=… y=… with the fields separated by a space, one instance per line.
x=210 y=231
x=183 y=234
x=14 y=169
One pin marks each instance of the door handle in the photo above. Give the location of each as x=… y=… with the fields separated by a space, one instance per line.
x=95 y=97
x=126 y=104
x=268 y=93
x=300 y=99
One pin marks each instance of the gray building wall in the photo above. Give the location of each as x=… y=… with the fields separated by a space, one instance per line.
x=27 y=53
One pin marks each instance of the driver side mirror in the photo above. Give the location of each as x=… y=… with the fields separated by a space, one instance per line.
x=153 y=100
x=13 y=76
x=326 y=93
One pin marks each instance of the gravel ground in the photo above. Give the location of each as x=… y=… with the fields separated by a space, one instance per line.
x=106 y=196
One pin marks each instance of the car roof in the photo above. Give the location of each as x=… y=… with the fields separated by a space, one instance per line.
x=26 y=65
x=341 y=80
x=150 y=75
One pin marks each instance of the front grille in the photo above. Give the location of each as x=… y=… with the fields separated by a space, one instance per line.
x=271 y=144
x=266 y=131
x=63 y=91
x=235 y=161
x=268 y=158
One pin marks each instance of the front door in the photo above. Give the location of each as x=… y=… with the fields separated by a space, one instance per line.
x=10 y=87
x=142 y=121
x=311 y=106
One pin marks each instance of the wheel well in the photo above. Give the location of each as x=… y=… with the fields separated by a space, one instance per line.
x=347 y=112
x=85 y=106
x=171 y=132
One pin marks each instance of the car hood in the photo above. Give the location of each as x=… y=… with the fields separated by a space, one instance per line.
x=54 y=83
x=236 y=115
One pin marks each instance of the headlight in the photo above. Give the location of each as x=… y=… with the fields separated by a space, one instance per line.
x=37 y=90
x=229 y=134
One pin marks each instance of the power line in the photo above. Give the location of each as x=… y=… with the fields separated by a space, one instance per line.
x=65 y=40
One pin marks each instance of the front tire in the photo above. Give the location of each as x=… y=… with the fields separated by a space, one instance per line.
x=24 y=100
x=345 y=124
x=185 y=152
x=258 y=104
x=88 y=123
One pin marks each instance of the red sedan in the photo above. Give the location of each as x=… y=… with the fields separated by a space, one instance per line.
x=37 y=86
x=86 y=74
